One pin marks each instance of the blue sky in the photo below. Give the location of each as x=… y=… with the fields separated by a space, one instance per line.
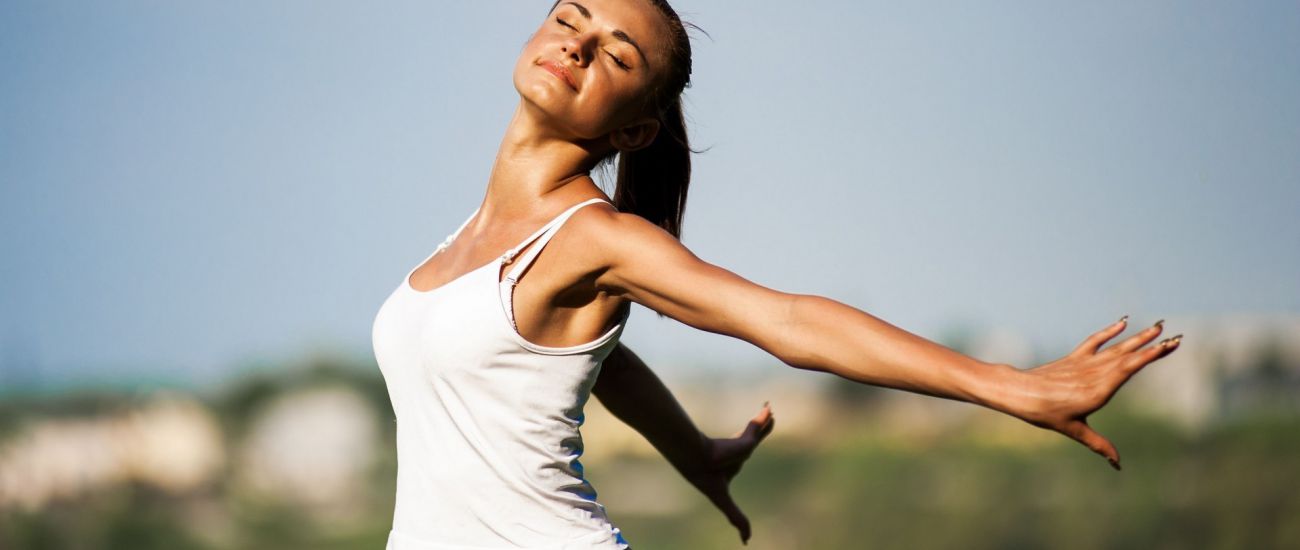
x=193 y=186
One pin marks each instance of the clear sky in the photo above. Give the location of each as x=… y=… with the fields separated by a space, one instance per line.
x=191 y=186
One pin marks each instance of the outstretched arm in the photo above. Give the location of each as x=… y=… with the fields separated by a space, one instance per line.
x=649 y=266
x=826 y=335
x=635 y=395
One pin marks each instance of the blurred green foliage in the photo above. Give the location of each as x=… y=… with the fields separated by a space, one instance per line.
x=1230 y=488
x=1230 y=485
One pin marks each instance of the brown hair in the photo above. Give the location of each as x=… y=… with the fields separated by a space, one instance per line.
x=652 y=181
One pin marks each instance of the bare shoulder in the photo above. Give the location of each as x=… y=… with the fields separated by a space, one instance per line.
x=604 y=219
x=642 y=262
x=611 y=239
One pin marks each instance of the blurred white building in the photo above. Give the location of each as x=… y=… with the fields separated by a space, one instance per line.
x=313 y=447
x=172 y=443
x=1224 y=364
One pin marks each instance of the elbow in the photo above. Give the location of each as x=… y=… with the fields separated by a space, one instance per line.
x=793 y=336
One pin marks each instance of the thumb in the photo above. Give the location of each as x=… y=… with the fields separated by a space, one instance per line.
x=1083 y=433
x=737 y=518
x=742 y=524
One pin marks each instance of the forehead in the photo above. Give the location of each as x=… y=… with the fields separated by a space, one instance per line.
x=639 y=19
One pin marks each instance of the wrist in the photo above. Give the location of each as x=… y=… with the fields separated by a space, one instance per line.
x=687 y=453
x=1001 y=387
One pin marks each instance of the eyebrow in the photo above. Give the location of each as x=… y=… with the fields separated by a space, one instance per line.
x=618 y=33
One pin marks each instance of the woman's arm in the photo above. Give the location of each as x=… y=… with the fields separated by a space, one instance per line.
x=635 y=395
x=647 y=265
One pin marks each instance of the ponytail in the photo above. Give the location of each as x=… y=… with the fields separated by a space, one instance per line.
x=653 y=180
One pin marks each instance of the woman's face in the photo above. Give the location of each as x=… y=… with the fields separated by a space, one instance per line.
x=590 y=64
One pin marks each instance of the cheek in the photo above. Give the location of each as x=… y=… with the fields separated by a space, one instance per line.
x=531 y=49
x=627 y=100
x=598 y=120
x=528 y=52
x=521 y=65
x=525 y=70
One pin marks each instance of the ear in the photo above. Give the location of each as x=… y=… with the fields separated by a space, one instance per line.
x=635 y=135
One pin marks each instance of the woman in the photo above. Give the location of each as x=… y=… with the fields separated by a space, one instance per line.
x=490 y=347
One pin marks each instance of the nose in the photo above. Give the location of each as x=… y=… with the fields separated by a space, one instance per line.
x=575 y=48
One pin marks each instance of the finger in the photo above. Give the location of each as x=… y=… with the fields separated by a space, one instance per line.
x=1092 y=343
x=760 y=425
x=767 y=429
x=769 y=421
x=1144 y=357
x=1140 y=339
x=1084 y=433
x=759 y=418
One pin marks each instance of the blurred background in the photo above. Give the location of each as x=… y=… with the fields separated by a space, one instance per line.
x=203 y=205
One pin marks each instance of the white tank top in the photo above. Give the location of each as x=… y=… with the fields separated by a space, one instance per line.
x=487 y=422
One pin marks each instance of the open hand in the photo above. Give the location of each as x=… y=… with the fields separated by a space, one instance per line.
x=1060 y=395
x=725 y=457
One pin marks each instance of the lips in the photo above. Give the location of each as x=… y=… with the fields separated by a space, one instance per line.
x=560 y=71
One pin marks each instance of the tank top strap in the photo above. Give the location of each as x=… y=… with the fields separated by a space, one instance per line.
x=545 y=232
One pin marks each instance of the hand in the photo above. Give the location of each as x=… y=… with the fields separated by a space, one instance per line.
x=1060 y=395
x=723 y=462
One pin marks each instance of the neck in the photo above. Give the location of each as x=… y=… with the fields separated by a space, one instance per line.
x=535 y=165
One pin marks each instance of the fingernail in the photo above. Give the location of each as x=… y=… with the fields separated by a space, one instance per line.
x=1160 y=323
x=1114 y=463
x=1122 y=320
x=1176 y=339
x=765 y=403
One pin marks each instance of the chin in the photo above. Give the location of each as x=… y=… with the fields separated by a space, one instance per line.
x=539 y=99
x=535 y=78
x=546 y=96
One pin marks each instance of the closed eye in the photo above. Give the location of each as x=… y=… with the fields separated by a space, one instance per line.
x=565 y=23
x=619 y=61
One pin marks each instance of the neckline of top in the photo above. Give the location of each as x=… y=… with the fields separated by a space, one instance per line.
x=510 y=252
